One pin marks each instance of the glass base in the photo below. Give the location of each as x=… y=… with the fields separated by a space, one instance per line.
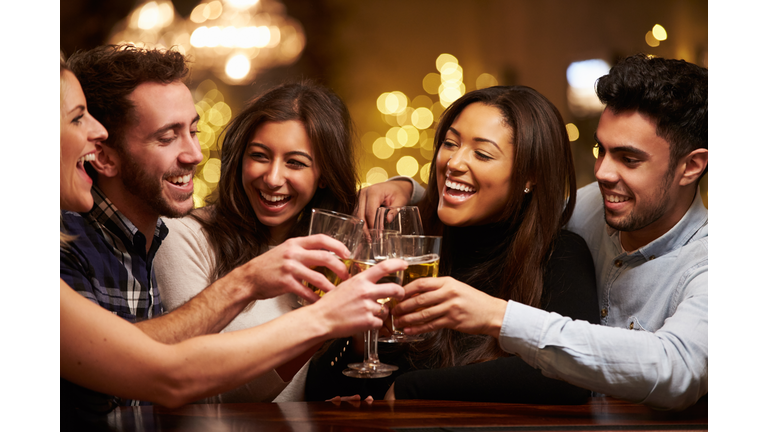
x=400 y=338
x=354 y=373
x=373 y=367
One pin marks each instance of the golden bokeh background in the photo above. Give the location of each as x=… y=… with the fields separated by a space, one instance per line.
x=397 y=64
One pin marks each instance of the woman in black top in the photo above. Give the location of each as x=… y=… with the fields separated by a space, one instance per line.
x=501 y=169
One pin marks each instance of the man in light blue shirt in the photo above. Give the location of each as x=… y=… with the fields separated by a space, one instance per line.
x=646 y=227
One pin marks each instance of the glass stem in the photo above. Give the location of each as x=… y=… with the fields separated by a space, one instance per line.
x=373 y=347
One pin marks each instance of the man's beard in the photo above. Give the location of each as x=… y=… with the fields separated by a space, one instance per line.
x=639 y=219
x=150 y=189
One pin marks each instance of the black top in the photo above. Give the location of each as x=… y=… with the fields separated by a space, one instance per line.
x=569 y=289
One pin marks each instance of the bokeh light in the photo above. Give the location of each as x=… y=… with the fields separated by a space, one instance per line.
x=659 y=32
x=422 y=118
x=376 y=175
x=407 y=144
x=581 y=76
x=431 y=83
x=573 y=132
x=596 y=150
x=238 y=66
x=651 y=40
x=383 y=148
x=395 y=138
x=411 y=135
x=404 y=117
x=407 y=166
x=449 y=95
x=212 y=170
x=424 y=172
x=444 y=58
x=485 y=80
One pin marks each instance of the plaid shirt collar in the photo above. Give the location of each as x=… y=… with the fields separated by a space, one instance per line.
x=104 y=211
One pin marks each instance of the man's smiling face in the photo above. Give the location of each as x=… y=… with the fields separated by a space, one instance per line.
x=161 y=150
x=633 y=171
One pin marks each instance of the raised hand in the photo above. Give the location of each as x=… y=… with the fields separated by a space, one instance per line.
x=388 y=194
x=435 y=303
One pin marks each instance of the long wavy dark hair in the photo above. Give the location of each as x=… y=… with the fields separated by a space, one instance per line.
x=229 y=221
x=527 y=227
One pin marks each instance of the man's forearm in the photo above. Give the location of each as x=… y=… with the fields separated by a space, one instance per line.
x=208 y=312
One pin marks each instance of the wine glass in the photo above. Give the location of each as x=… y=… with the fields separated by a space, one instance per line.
x=342 y=227
x=380 y=246
x=407 y=221
x=422 y=253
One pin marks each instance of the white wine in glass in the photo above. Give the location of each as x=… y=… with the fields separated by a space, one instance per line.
x=422 y=253
x=380 y=247
x=342 y=227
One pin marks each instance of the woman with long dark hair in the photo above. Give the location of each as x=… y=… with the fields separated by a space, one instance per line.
x=288 y=151
x=501 y=189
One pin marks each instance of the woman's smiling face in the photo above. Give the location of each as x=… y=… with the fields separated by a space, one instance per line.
x=280 y=174
x=474 y=167
x=79 y=134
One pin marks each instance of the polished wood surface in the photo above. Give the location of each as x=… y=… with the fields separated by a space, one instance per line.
x=600 y=414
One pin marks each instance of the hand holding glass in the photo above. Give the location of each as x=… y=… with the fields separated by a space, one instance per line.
x=342 y=227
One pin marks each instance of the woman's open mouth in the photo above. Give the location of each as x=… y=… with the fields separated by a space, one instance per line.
x=458 y=192
x=274 y=201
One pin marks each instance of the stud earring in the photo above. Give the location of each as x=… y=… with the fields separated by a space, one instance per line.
x=526 y=190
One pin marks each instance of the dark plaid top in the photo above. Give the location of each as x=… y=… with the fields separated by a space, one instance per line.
x=107 y=262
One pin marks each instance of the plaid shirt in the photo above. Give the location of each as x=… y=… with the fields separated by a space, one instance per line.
x=107 y=261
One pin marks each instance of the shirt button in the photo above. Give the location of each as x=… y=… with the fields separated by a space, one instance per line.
x=617 y=263
x=604 y=312
x=631 y=325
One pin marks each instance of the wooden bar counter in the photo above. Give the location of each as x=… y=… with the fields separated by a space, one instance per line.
x=600 y=414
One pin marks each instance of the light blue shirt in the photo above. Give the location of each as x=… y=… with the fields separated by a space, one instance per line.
x=652 y=345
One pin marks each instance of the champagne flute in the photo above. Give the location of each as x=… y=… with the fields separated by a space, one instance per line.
x=342 y=227
x=382 y=245
x=422 y=253
x=407 y=221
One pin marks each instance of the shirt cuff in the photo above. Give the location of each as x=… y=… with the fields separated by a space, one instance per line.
x=521 y=331
x=417 y=192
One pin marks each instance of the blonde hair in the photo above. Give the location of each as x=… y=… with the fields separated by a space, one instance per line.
x=64 y=238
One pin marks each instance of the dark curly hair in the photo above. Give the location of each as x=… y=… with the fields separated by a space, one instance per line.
x=110 y=73
x=673 y=93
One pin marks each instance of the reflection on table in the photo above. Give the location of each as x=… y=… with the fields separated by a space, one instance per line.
x=601 y=414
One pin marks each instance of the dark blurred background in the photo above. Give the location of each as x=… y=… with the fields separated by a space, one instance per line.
x=382 y=58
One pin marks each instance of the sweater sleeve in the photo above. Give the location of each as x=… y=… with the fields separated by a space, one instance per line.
x=184 y=263
x=569 y=289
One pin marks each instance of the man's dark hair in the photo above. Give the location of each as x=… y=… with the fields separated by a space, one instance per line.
x=673 y=93
x=109 y=73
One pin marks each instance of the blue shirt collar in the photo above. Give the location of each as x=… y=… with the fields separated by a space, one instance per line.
x=692 y=226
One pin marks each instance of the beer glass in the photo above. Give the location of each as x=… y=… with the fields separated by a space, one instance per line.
x=342 y=227
x=422 y=253
x=381 y=245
